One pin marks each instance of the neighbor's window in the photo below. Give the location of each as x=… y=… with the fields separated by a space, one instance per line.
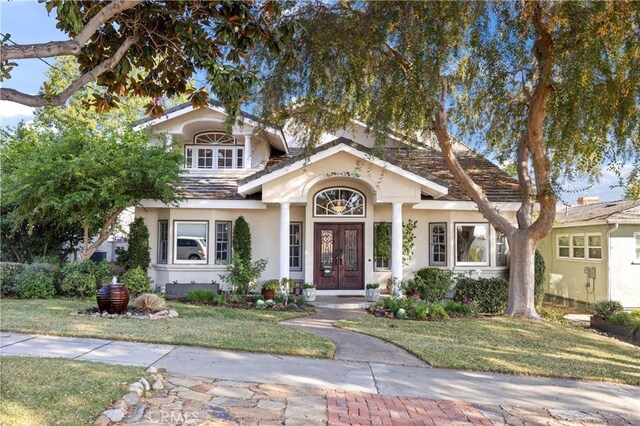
x=190 y=241
x=564 y=246
x=438 y=244
x=163 y=240
x=472 y=244
x=295 y=246
x=214 y=150
x=223 y=243
x=577 y=246
x=382 y=246
x=502 y=249
x=594 y=246
x=339 y=202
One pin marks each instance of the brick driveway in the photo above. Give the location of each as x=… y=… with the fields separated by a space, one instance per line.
x=358 y=408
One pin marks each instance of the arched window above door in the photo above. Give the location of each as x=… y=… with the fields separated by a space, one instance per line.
x=339 y=202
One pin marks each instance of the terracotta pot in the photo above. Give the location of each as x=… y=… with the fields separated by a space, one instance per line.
x=113 y=298
x=103 y=298
x=268 y=294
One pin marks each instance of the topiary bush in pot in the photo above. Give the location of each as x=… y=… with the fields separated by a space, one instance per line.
x=489 y=294
x=137 y=281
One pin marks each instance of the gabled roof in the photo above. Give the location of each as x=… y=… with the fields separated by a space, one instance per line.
x=611 y=211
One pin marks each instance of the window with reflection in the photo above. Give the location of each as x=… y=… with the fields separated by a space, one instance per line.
x=190 y=241
x=472 y=244
x=339 y=202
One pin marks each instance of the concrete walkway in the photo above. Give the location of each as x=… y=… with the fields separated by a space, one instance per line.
x=351 y=346
x=371 y=377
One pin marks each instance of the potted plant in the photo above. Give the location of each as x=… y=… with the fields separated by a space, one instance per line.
x=269 y=290
x=309 y=292
x=373 y=292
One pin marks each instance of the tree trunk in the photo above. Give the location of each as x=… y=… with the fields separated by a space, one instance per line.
x=85 y=241
x=521 y=300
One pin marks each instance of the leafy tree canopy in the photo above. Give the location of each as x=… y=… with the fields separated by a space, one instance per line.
x=152 y=49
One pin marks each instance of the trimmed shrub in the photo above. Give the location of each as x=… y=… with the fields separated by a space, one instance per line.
x=148 y=302
x=100 y=271
x=78 y=284
x=489 y=294
x=137 y=281
x=137 y=255
x=241 y=243
x=8 y=273
x=606 y=308
x=540 y=272
x=202 y=296
x=433 y=284
x=34 y=283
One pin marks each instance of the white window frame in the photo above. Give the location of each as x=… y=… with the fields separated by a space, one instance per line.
x=339 y=188
x=431 y=243
x=229 y=241
x=583 y=246
x=221 y=141
x=163 y=244
x=487 y=244
x=636 y=242
x=300 y=245
x=568 y=236
x=586 y=240
x=175 y=242
x=499 y=234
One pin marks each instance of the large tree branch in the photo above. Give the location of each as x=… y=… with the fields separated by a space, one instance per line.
x=543 y=49
x=105 y=231
x=68 y=47
x=476 y=192
x=59 y=99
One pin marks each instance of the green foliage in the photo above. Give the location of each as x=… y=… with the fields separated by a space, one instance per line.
x=308 y=285
x=271 y=286
x=539 y=282
x=100 y=271
x=420 y=310
x=632 y=186
x=242 y=240
x=243 y=276
x=627 y=320
x=606 y=308
x=382 y=240
x=371 y=286
x=35 y=283
x=201 y=295
x=77 y=178
x=78 y=284
x=552 y=315
x=137 y=254
x=432 y=284
x=8 y=273
x=489 y=294
x=137 y=281
x=300 y=301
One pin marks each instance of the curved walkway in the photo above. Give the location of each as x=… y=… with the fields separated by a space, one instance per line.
x=352 y=346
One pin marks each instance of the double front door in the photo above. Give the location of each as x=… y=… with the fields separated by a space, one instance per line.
x=339 y=256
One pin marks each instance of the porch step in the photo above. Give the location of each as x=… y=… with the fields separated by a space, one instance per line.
x=336 y=302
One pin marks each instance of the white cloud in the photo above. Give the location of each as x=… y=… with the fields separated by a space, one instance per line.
x=12 y=110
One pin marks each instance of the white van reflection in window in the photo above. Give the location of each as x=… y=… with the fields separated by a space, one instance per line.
x=191 y=248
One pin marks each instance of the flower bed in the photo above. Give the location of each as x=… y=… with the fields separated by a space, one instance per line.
x=416 y=309
x=231 y=300
x=608 y=315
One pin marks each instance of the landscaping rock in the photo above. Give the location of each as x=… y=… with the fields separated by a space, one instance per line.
x=132 y=398
x=152 y=370
x=145 y=383
x=114 y=415
x=173 y=314
x=157 y=384
x=102 y=421
x=136 y=415
x=137 y=387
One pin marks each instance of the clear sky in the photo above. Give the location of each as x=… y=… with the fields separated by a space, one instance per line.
x=28 y=22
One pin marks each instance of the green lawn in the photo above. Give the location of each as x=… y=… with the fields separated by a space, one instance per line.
x=509 y=346
x=214 y=327
x=44 y=391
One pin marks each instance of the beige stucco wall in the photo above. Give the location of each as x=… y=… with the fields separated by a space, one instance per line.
x=566 y=277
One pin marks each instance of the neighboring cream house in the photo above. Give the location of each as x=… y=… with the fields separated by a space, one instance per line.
x=593 y=253
x=312 y=214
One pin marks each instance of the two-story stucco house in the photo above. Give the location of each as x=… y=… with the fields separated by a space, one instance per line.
x=312 y=214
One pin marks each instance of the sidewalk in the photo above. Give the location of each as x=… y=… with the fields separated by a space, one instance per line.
x=368 y=377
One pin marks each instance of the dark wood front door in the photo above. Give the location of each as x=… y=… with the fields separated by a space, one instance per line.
x=339 y=256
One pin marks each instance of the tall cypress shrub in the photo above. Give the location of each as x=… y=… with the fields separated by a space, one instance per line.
x=137 y=255
x=540 y=272
x=242 y=240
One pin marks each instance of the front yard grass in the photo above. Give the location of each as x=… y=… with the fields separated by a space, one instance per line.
x=513 y=346
x=197 y=325
x=45 y=391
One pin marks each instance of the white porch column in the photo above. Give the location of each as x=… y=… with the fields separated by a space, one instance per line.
x=396 y=247
x=284 y=241
x=246 y=161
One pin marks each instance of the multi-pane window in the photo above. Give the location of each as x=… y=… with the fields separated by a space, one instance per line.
x=502 y=249
x=190 y=241
x=577 y=246
x=214 y=150
x=382 y=236
x=472 y=244
x=163 y=240
x=594 y=246
x=339 y=202
x=223 y=243
x=295 y=246
x=564 y=246
x=438 y=244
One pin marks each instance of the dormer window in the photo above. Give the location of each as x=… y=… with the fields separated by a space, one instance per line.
x=214 y=151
